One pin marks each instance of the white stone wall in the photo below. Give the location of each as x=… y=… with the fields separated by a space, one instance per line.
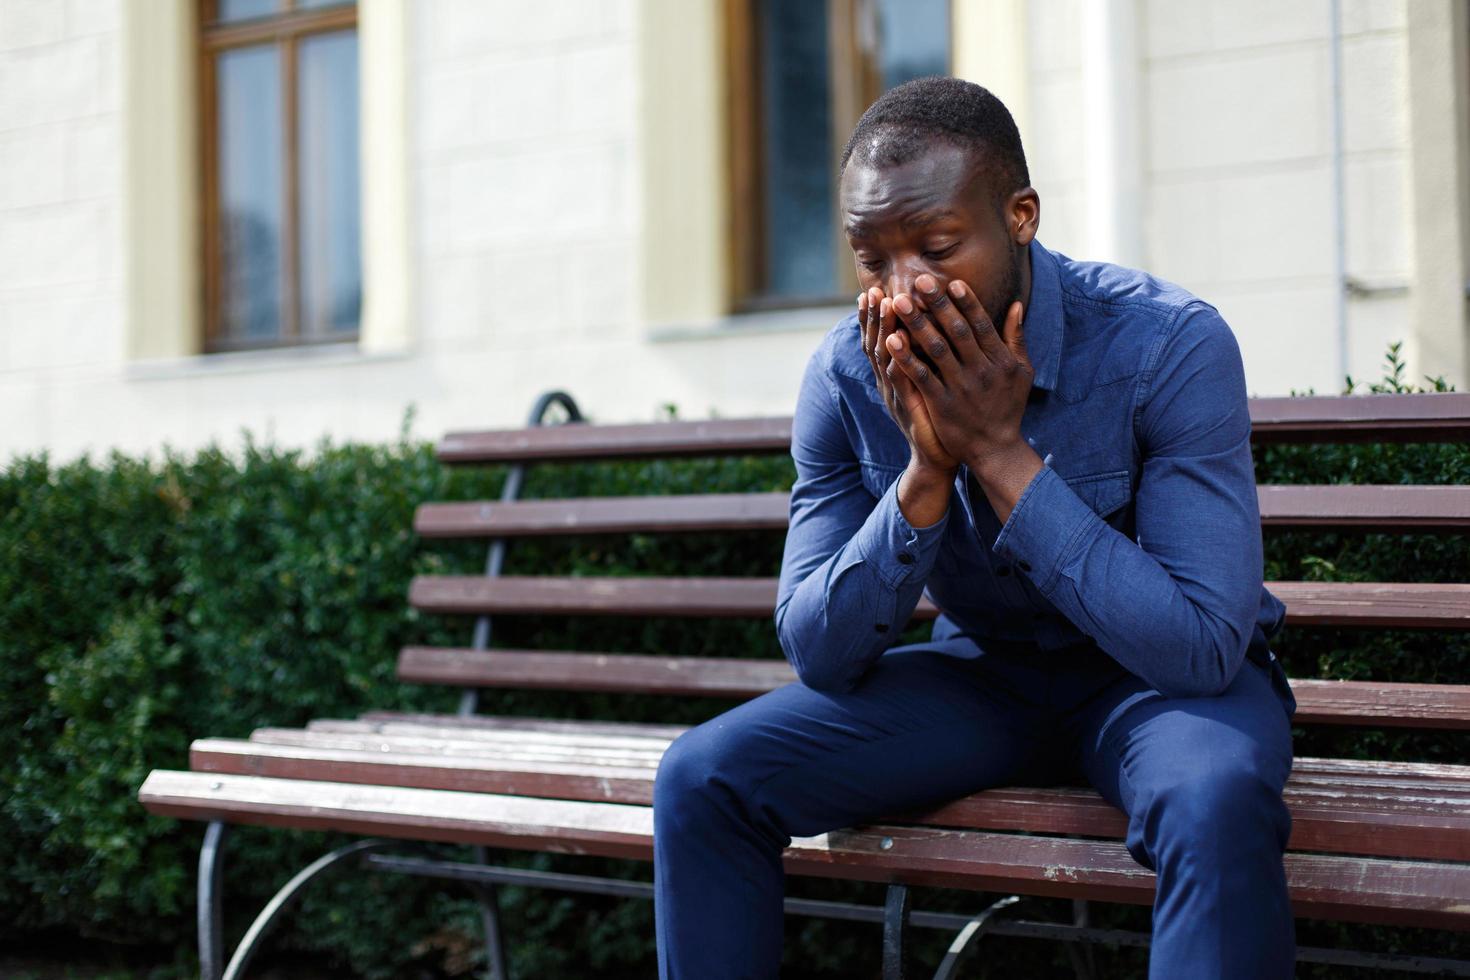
x=527 y=223
x=60 y=202
x=1239 y=207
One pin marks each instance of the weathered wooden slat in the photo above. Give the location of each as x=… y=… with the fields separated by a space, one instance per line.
x=1319 y=702
x=1362 y=418
x=1364 y=604
x=1331 y=886
x=612 y=751
x=511 y=723
x=589 y=737
x=1376 y=508
x=1382 y=703
x=567 y=442
x=1411 y=606
x=605 y=515
x=1430 y=820
x=722 y=597
x=1369 y=508
x=1323 y=418
x=710 y=676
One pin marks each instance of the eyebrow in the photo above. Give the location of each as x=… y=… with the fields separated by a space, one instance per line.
x=863 y=229
x=928 y=217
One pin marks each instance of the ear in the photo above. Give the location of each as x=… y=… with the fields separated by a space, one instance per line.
x=1023 y=215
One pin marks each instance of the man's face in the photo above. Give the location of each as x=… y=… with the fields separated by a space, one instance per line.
x=940 y=214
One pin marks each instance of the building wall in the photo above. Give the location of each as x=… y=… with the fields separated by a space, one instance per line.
x=541 y=251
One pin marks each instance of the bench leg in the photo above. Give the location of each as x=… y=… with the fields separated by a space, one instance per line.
x=895 y=932
x=211 y=885
x=1083 y=963
x=490 y=915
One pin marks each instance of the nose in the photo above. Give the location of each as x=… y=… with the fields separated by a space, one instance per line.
x=901 y=278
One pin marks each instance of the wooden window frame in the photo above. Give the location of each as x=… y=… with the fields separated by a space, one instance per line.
x=285 y=28
x=855 y=81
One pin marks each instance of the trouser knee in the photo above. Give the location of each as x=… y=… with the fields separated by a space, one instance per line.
x=1228 y=814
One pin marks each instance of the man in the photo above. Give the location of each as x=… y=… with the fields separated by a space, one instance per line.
x=1074 y=488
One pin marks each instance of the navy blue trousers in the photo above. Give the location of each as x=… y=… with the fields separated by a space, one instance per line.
x=1199 y=778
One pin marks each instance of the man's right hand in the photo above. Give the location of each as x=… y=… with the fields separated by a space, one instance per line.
x=925 y=486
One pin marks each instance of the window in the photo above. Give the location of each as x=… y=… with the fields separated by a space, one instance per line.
x=282 y=228
x=802 y=73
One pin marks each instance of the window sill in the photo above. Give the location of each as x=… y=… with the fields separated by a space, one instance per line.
x=807 y=319
x=270 y=360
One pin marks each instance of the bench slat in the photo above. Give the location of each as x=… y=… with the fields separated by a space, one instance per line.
x=1411 y=781
x=1444 y=706
x=567 y=442
x=1377 y=508
x=1412 y=606
x=1323 y=418
x=1371 y=507
x=1430 y=820
x=1331 y=886
x=1440 y=417
x=605 y=515
x=1356 y=772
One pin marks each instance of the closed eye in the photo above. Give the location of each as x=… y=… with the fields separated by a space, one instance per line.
x=943 y=252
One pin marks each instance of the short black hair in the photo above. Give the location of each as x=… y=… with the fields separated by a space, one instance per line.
x=907 y=120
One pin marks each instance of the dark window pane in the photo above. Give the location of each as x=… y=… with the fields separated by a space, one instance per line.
x=331 y=258
x=796 y=107
x=913 y=39
x=228 y=10
x=248 y=84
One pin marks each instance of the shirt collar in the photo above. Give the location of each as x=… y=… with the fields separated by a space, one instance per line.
x=1045 y=320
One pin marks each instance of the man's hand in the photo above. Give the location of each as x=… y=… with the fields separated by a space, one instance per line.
x=925 y=486
x=973 y=382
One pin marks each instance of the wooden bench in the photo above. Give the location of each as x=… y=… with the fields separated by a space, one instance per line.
x=1372 y=842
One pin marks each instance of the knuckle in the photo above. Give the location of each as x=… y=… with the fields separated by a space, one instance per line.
x=937 y=348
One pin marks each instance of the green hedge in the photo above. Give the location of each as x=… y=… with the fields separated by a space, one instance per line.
x=145 y=602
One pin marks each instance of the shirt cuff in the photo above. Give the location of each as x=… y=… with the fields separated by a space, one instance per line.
x=1041 y=528
x=894 y=549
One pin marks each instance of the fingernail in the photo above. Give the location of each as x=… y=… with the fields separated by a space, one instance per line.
x=903 y=305
x=894 y=343
x=927 y=284
x=956 y=288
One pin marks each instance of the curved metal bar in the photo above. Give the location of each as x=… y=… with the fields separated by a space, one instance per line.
x=266 y=920
x=549 y=398
x=967 y=940
x=895 y=932
x=211 y=888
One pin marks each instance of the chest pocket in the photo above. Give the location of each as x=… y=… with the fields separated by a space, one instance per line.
x=1106 y=493
x=877 y=477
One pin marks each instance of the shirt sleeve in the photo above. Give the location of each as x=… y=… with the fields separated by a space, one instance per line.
x=853 y=567
x=1178 y=606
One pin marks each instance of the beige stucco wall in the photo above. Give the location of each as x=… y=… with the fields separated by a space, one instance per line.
x=546 y=210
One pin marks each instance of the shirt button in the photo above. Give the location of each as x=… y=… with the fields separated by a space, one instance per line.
x=1024 y=565
x=881 y=627
x=904 y=558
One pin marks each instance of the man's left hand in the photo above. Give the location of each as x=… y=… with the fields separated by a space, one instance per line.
x=974 y=380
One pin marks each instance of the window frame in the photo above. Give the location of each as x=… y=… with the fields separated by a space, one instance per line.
x=855 y=80
x=285 y=28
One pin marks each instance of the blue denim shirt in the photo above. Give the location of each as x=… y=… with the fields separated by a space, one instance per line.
x=1141 y=533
